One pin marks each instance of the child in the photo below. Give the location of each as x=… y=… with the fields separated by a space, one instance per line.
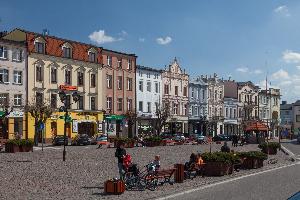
x=200 y=160
x=156 y=162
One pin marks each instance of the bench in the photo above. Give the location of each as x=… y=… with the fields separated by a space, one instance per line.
x=194 y=170
x=162 y=174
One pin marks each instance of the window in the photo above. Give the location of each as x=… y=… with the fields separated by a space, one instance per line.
x=17 y=77
x=120 y=63
x=175 y=108
x=39 y=72
x=149 y=86
x=119 y=83
x=185 y=91
x=109 y=103
x=141 y=106
x=226 y=112
x=176 y=90
x=93 y=103
x=17 y=55
x=155 y=76
x=141 y=86
x=230 y=112
x=68 y=76
x=166 y=89
x=140 y=74
x=203 y=94
x=53 y=101
x=3 y=99
x=17 y=99
x=39 y=98
x=216 y=94
x=240 y=97
x=129 y=66
x=120 y=103
x=68 y=101
x=255 y=100
x=129 y=84
x=4 y=76
x=80 y=78
x=109 y=81
x=156 y=106
x=196 y=110
x=92 y=57
x=129 y=104
x=53 y=75
x=109 y=61
x=3 y=52
x=156 y=88
x=191 y=94
x=39 y=47
x=66 y=52
x=220 y=112
x=148 y=75
x=149 y=107
x=80 y=103
x=93 y=80
x=221 y=94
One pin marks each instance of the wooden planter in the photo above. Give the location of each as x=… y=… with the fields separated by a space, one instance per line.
x=12 y=148
x=217 y=169
x=26 y=148
x=152 y=144
x=252 y=163
x=272 y=151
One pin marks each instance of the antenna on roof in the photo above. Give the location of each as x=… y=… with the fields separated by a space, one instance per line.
x=46 y=32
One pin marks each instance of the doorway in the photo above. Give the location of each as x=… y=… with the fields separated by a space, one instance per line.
x=86 y=128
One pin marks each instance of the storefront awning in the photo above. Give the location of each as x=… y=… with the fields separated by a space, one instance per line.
x=256 y=126
x=2 y=113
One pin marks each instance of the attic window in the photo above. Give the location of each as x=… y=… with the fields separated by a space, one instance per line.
x=39 y=45
x=67 y=50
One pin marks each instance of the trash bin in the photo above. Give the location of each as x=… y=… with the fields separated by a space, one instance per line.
x=179 y=173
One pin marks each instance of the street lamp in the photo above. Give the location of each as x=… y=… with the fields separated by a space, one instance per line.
x=63 y=99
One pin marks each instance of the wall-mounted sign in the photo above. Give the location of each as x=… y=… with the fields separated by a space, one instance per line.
x=100 y=127
x=75 y=126
x=68 y=87
x=16 y=114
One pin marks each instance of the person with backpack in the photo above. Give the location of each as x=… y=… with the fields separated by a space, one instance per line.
x=119 y=154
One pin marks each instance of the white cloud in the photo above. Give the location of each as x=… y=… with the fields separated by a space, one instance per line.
x=243 y=69
x=280 y=74
x=298 y=67
x=291 y=57
x=257 y=71
x=100 y=37
x=285 y=83
x=141 y=39
x=123 y=33
x=283 y=10
x=164 y=41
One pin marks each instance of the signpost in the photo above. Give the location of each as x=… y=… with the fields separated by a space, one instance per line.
x=42 y=128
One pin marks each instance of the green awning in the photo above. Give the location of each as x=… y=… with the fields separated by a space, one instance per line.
x=2 y=113
x=115 y=117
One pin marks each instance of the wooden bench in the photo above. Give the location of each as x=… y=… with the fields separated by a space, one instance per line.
x=194 y=170
x=162 y=174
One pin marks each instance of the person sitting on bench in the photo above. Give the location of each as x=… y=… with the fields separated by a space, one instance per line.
x=225 y=148
x=193 y=160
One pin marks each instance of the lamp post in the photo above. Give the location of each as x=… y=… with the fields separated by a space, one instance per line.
x=63 y=99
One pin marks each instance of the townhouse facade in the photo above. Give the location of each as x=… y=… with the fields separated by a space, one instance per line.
x=13 y=82
x=230 y=107
x=148 y=97
x=269 y=109
x=286 y=115
x=175 y=92
x=119 y=91
x=215 y=105
x=247 y=103
x=198 y=106
x=54 y=63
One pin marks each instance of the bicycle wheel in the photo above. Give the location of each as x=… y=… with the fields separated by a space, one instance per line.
x=151 y=182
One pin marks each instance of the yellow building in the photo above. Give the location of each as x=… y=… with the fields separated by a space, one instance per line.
x=54 y=62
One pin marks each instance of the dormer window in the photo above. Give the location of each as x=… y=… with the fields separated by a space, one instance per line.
x=40 y=47
x=67 y=50
x=92 y=57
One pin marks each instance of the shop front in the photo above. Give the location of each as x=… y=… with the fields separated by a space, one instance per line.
x=115 y=126
x=230 y=127
x=11 y=125
x=89 y=123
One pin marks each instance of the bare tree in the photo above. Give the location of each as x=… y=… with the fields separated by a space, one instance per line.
x=162 y=113
x=132 y=119
x=40 y=111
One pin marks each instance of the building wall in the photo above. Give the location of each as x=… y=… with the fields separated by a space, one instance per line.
x=145 y=75
x=123 y=72
x=11 y=88
x=198 y=99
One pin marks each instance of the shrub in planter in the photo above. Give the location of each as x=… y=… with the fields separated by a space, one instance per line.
x=252 y=159
x=218 y=163
x=153 y=141
x=19 y=145
x=127 y=142
x=270 y=148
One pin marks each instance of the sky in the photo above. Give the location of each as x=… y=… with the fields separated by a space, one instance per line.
x=243 y=40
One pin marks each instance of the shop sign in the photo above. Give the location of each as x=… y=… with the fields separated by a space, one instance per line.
x=100 y=127
x=54 y=117
x=16 y=114
x=68 y=87
x=75 y=126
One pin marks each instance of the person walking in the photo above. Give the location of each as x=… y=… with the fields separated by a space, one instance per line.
x=225 y=148
x=235 y=140
x=120 y=153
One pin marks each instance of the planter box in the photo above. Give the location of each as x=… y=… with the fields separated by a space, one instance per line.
x=272 y=151
x=217 y=169
x=11 y=148
x=252 y=163
x=26 y=148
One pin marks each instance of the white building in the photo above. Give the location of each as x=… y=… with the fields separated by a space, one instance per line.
x=148 y=96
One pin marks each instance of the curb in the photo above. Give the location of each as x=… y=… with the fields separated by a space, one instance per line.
x=288 y=152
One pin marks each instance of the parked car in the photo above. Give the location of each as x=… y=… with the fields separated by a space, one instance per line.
x=81 y=139
x=166 y=135
x=59 y=140
x=201 y=138
x=179 y=137
x=221 y=137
